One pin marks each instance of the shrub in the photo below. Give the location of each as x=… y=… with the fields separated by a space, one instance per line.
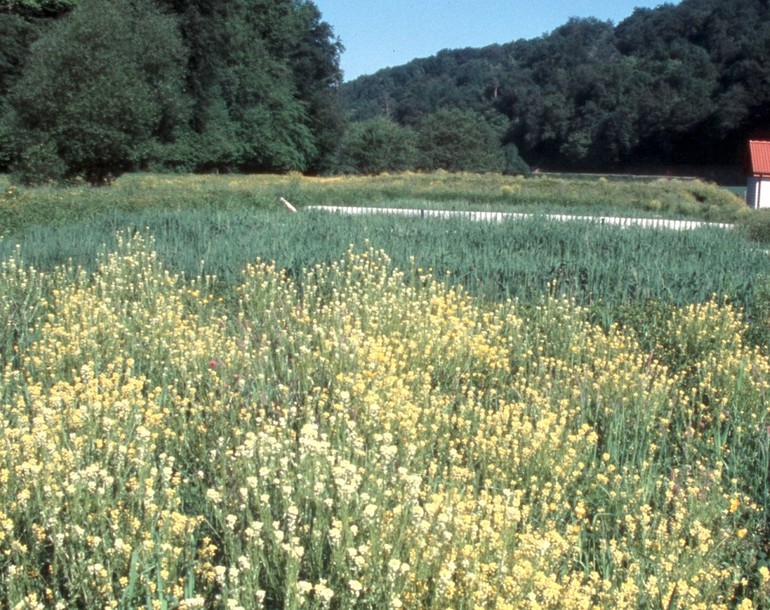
x=755 y=226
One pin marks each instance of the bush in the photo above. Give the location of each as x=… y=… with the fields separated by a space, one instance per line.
x=459 y=141
x=514 y=164
x=377 y=146
x=40 y=163
x=755 y=226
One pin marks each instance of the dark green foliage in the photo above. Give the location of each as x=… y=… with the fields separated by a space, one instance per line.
x=314 y=59
x=755 y=226
x=513 y=164
x=458 y=140
x=243 y=96
x=97 y=90
x=246 y=85
x=38 y=8
x=759 y=328
x=681 y=84
x=16 y=34
x=261 y=74
x=376 y=146
x=7 y=136
x=40 y=163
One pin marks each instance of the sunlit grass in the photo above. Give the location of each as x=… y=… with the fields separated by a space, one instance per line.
x=186 y=424
x=599 y=266
x=20 y=206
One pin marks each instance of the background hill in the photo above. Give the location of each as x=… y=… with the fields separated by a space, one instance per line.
x=93 y=88
x=680 y=87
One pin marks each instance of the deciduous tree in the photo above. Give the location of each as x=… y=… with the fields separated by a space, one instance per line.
x=377 y=146
x=38 y=8
x=99 y=88
x=459 y=140
x=262 y=72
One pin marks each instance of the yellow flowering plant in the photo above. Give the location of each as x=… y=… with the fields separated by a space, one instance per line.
x=367 y=436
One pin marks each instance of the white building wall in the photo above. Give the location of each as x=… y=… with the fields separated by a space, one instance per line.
x=758 y=192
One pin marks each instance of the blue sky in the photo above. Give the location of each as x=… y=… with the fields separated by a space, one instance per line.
x=382 y=33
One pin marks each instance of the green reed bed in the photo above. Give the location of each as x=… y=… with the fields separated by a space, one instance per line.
x=515 y=259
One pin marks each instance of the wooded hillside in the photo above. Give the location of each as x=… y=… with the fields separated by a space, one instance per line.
x=682 y=84
x=94 y=88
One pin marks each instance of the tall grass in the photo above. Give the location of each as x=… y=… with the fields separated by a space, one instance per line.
x=517 y=259
x=247 y=412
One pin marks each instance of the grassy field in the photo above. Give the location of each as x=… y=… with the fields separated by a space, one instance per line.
x=598 y=266
x=394 y=414
x=20 y=207
x=217 y=224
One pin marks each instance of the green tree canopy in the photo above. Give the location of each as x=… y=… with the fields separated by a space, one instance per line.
x=16 y=34
x=376 y=146
x=458 y=140
x=261 y=73
x=38 y=8
x=682 y=83
x=99 y=88
x=314 y=58
x=242 y=85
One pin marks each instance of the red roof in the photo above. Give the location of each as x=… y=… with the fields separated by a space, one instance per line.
x=760 y=157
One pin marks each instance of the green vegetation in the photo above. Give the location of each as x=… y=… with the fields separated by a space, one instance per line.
x=375 y=146
x=91 y=89
x=756 y=226
x=673 y=89
x=457 y=141
x=21 y=206
x=444 y=414
x=516 y=259
x=238 y=406
x=361 y=435
x=97 y=91
x=228 y=221
x=678 y=84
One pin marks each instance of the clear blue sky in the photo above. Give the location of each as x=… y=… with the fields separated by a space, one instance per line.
x=382 y=33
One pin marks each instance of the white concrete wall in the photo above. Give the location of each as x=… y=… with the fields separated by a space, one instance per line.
x=650 y=223
x=758 y=192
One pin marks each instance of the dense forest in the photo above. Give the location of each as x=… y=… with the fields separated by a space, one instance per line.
x=676 y=87
x=93 y=88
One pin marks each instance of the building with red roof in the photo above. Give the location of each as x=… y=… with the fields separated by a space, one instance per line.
x=758 y=188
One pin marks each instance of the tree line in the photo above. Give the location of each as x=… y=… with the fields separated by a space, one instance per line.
x=93 y=88
x=683 y=84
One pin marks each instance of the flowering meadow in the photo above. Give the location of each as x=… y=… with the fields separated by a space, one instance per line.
x=366 y=436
